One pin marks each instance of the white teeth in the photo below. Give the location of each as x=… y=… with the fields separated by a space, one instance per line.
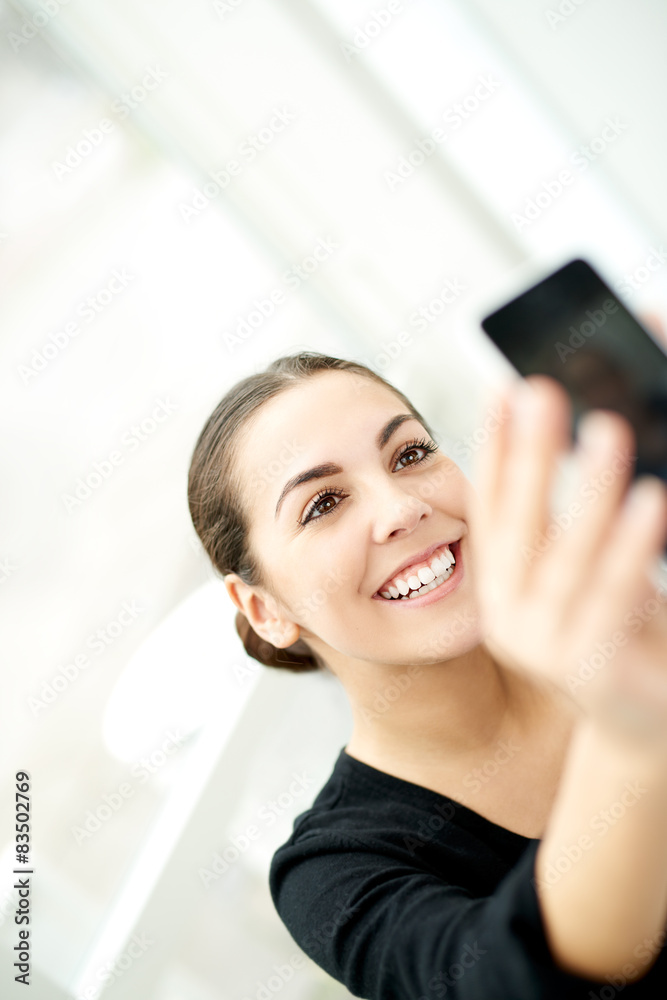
x=425 y=579
x=425 y=588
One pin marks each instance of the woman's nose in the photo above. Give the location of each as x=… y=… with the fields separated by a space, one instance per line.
x=398 y=509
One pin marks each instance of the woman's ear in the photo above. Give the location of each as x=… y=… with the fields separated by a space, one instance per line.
x=262 y=612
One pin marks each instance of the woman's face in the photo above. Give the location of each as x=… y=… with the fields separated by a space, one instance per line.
x=328 y=544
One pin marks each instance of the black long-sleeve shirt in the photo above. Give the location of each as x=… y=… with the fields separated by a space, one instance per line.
x=401 y=893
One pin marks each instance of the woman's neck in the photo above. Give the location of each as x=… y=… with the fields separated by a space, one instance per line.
x=442 y=713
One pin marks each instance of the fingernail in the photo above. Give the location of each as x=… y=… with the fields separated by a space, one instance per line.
x=644 y=495
x=596 y=432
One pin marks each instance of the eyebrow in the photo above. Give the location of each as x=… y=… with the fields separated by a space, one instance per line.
x=331 y=469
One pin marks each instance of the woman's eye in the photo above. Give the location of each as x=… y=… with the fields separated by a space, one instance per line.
x=318 y=503
x=426 y=446
x=408 y=452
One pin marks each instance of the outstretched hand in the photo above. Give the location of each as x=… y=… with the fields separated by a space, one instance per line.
x=574 y=605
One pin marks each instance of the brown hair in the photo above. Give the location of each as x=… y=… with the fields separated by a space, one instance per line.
x=215 y=489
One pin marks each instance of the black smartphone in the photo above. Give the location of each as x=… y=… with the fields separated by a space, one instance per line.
x=572 y=327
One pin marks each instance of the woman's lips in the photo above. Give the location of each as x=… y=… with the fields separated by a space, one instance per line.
x=451 y=583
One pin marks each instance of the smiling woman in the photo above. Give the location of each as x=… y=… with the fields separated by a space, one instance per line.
x=222 y=504
x=442 y=855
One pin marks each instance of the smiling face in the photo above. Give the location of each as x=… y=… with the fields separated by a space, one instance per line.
x=327 y=541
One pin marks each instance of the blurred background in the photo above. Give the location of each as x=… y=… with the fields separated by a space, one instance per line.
x=188 y=191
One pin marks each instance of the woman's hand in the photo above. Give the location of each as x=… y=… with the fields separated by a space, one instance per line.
x=573 y=602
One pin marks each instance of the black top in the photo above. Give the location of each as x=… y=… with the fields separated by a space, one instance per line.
x=401 y=893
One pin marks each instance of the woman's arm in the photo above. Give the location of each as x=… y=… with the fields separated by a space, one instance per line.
x=601 y=868
x=561 y=600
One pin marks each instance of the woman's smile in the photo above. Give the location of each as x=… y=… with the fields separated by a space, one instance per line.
x=450 y=584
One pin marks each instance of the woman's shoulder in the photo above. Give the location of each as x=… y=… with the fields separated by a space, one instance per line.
x=361 y=809
x=384 y=884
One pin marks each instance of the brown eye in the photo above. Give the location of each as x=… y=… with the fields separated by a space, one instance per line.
x=427 y=446
x=325 y=494
x=409 y=452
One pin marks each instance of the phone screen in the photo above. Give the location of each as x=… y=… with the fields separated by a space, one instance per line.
x=572 y=327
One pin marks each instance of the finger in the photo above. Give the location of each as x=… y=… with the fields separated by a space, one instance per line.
x=488 y=462
x=621 y=577
x=646 y=673
x=540 y=433
x=488 y=469
x=604 y=455
x=653 y=322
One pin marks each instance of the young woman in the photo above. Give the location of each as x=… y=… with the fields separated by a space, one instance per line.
x=496 y=826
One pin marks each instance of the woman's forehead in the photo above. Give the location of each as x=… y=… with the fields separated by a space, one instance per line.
x=305 y=424
x=338 y=396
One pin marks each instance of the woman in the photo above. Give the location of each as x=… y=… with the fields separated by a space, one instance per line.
x=496 y=826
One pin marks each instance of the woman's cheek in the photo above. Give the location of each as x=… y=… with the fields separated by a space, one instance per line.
x=315 y=599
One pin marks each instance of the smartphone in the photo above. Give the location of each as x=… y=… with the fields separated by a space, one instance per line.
x=573 y=327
